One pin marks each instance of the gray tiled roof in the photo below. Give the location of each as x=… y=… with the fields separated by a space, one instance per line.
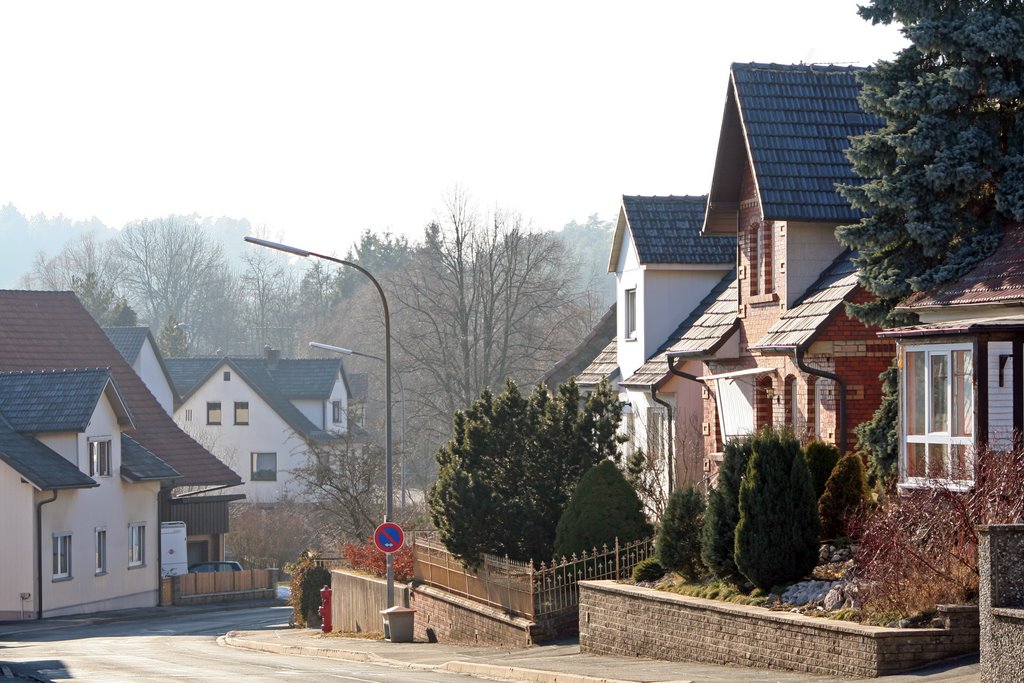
x=799 y=325
x=39 y=465
x=186 y=373
x=51 y=400
x=698 y=335
x=358 y=385
x=306 y=377
x=127 y=340
x=798 y=121
x=140 y=464
x=667 y=230
x=604 y=365
x=583 y=355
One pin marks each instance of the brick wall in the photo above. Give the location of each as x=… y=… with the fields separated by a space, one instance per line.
x=446 y=618
x=629 y=621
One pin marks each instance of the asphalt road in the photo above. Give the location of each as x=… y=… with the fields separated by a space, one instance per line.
x=176 y=645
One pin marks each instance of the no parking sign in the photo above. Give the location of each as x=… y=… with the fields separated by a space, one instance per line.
x=388 y=537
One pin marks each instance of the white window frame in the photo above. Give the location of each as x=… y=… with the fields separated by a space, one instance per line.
x=210 y=410
x=630 y=306
x=100 y=457
x=936 y=437
x=100 y=549
x=61 y=555
x=136 y=544
x=254 y=459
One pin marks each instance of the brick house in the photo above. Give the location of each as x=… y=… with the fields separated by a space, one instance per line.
x=962 y=370
x=799 y=360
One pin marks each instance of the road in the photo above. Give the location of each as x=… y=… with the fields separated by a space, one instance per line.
x=177 y=645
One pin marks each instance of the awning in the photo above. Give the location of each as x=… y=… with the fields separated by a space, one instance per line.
x=738 y=373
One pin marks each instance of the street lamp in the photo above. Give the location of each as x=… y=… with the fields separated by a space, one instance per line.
x=401 y=389
x=388 y=507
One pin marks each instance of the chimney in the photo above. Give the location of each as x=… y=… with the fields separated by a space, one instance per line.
x=272 y=356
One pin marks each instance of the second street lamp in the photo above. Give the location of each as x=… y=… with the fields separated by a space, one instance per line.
x=389 y=494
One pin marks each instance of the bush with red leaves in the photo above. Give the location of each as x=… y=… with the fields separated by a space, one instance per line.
x=368 y=558
x=920 y=549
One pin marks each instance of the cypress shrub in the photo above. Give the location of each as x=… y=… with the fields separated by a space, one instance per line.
x=718 y=533
x=777 y=534
x=844 y=497
x=603 y=508
x=821 y=458
x=648 y=570
x=679 y=536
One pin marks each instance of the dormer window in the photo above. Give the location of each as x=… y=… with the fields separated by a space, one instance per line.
x=631 y=313
x=99 y=458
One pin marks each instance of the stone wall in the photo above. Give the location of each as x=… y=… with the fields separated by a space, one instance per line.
x=1001 y=602
x=630 y=621
x=447 y=618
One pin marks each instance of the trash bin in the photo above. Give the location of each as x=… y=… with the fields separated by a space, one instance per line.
x=398 y=623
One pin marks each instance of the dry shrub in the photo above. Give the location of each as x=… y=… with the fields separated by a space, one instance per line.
x=920 y=548
x=368 y=558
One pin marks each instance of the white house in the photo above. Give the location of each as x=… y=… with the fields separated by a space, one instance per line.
x=139 y=349
x=258 y=414
x=78 y=497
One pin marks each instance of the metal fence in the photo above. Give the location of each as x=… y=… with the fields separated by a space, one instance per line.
x=518 y=588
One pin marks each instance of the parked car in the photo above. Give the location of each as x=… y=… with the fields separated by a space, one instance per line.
x=225 y=566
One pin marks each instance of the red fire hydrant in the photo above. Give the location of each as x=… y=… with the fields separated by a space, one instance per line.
x=325 y=609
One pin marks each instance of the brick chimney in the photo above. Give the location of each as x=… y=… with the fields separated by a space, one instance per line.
x=272 y=356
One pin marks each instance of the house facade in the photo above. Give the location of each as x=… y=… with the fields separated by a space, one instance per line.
x=258 y=415
x=79 y=498
x=799 y=361
x=53 y=331
x=962 y=370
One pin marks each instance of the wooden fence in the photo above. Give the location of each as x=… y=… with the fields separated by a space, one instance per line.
x=516 y=587
x=209 y=583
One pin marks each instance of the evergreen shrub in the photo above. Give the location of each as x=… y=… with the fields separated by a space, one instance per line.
x=718 y=533
x=844 y=498
x=777 y=534
x=821 y=458
x=679 y=537
x=603 y=508
x=307 y=580
x=648 y=570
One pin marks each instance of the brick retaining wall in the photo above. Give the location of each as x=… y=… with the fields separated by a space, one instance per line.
x=631 y=621
x=454 y=619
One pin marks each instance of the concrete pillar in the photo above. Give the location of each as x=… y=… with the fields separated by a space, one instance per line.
x=1001 y=602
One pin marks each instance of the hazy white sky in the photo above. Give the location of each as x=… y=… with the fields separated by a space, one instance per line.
x=319 y=119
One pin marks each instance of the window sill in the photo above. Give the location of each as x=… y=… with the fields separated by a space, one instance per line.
x=915 y=484
x=61 y=579
x=241 y=424
x=760 y=299
x=102 y=573
x=136 y=566
x=630 y=339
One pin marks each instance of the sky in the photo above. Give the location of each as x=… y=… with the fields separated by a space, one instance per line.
x=317 y=120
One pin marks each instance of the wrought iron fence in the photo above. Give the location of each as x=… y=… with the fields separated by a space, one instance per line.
x=516 y=587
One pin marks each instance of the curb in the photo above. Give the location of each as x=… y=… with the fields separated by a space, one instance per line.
x=498 y=671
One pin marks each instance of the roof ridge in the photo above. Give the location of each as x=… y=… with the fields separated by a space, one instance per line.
x=53 y=371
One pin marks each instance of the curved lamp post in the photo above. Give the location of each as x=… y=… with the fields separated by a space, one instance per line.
x=388 y=508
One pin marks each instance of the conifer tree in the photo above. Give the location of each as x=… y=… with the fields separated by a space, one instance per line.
x=172 y=340
x=719 y=531
x=679 y=535
x=946 y=170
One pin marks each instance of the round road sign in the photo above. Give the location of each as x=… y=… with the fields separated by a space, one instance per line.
x=388 y=537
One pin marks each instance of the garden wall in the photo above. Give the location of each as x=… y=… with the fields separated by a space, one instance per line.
x=357 y=600
x=1001 y=601
x=631 y=621
x=448 y=618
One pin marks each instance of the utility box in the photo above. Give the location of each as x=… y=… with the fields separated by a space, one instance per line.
x=173 y=549
x=398 y=623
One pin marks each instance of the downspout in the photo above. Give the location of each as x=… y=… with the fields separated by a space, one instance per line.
x=842 y=393
x=39 y=554
x=671 y=437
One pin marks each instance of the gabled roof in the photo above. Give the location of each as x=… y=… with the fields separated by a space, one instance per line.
x=698 y=336
x=999 y=279
x=358 y=385
x=794 y=123
x=140 y=464
x=257 y=373
x=127 y=340
x=57 y=400
x=583 y=355
x=299 y=378
x=666 y=230
x=37 y=464
x=604 y=365
x=798 y=326
x=52 y=330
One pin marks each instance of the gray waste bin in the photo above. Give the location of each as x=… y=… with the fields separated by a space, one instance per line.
x=398 y=623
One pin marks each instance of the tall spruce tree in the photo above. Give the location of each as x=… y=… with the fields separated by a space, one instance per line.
x=945 y=173
x=717 y=542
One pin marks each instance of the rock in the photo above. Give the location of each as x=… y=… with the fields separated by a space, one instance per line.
x=823 y=554
x=906 y=623
x=806 y=592
x=835 y=598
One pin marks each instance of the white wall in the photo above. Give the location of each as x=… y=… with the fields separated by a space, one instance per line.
x=147 y=366
x=629 y=275
x=1000 y=398
x=314 y=410
x=113 y=505
x=17 y=559
x=810 y=249
x=234 y=444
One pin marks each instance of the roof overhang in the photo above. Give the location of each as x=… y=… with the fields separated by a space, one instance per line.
x=737 y=373
x=999 y=324
x=723 y=210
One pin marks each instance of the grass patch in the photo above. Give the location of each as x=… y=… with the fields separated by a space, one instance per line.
x=718 y=590
x=355 y=635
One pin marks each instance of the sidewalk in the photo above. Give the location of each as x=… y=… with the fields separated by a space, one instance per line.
x=560 y=663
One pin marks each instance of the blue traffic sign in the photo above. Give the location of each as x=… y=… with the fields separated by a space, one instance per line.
x=388 y=537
